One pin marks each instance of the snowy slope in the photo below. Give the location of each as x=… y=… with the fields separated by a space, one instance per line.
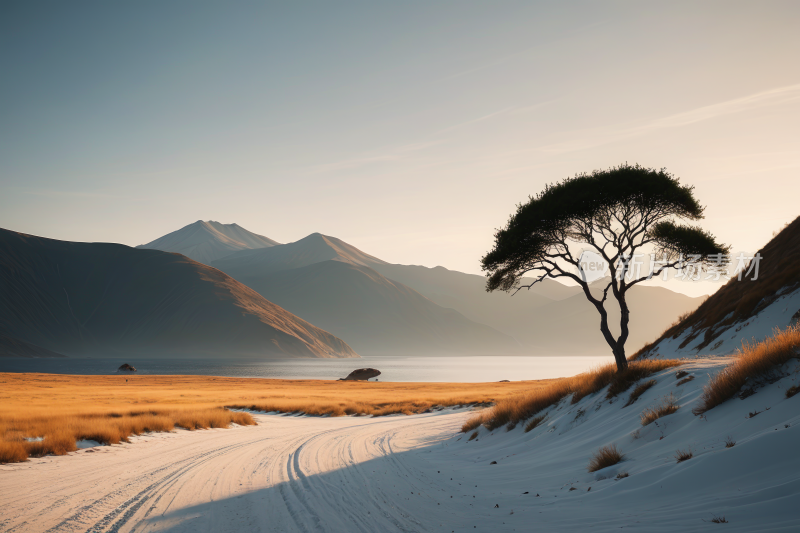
x=756 y=328
x=418 y=474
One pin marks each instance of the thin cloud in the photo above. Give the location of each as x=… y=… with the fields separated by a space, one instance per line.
x=780 y=95
x=599 y=136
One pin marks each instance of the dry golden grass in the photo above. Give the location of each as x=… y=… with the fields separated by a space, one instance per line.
x=639 y=390
x=109 y=409
x=605 y=457
x=534 y=422
x=518 y=408
x=752 y=360
x=667 y=406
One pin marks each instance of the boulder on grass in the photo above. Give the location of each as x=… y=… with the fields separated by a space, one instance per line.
x=362 y=374
x=126 y=368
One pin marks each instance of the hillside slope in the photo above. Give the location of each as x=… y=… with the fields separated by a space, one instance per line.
x=206 y=241
x=743 y=310
x=96 y=299
x=376 y=315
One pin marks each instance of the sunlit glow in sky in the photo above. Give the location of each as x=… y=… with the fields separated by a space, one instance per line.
x=408 y=129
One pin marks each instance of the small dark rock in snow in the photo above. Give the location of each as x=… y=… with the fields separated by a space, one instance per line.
x=493 y=463
x=497 y=506
x=126 y=368
x=526 y=493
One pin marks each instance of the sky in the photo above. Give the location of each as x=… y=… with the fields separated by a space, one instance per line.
x=408 y=129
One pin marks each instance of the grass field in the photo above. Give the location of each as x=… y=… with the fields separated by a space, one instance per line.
x=109 y=409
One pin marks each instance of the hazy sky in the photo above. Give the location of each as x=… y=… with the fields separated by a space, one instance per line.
x=408 y=129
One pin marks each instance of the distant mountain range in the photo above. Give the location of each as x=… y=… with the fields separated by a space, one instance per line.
x=95 y=299
x=234 y=292
x=383 y=308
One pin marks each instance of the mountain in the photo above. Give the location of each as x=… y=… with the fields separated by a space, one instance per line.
x=97 y=299
x=376 y=315
x=333 y=284
x=746 y=310
x=206 y=241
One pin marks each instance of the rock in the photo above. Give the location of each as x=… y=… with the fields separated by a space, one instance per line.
x=362 y=374
x=126 y=368
x=795 y=321
x=504 y=381
x=493 y=463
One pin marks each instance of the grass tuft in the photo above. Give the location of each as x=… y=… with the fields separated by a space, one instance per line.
x=684 y=381
x=729 y=442
x=605 y=457
x=719 y=520
x=522 y=407
x=473 y=436
x=791 y=391
x=683 y=455
x=622 y=475
x=535 y=422
x=666 y=406
x=639 y=390
x=752 y=360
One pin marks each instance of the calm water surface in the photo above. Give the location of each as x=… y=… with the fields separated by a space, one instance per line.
x=453 y=369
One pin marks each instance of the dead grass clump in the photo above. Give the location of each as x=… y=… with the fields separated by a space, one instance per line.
x=12 y=452
x=471 y=423
x=791 y=391
x=683 y=455
x=473 y=436
x=684 y=381
x=680 y=374
x=719 y=520
x=639 y=390
x=752 y=360
x=622 y=475
x=605 y=457
x=535 y=422
x=524 y=406
x=667 y=406
x=636 y=371
x=729 y=442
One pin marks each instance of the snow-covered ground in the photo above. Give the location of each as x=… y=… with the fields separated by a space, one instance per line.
x=418 y=473
x=754 y=329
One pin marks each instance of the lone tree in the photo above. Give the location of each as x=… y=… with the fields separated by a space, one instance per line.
x=617 y=214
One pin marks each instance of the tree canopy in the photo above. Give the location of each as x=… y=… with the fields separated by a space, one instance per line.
x=618 y=213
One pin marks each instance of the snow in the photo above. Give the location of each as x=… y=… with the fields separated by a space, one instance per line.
x=87 y=443
x=755 y=329
x=418 y=473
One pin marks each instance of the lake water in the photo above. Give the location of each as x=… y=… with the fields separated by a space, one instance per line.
x=431 y=369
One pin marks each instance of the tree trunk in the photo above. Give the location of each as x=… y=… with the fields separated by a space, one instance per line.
x=619 y=355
